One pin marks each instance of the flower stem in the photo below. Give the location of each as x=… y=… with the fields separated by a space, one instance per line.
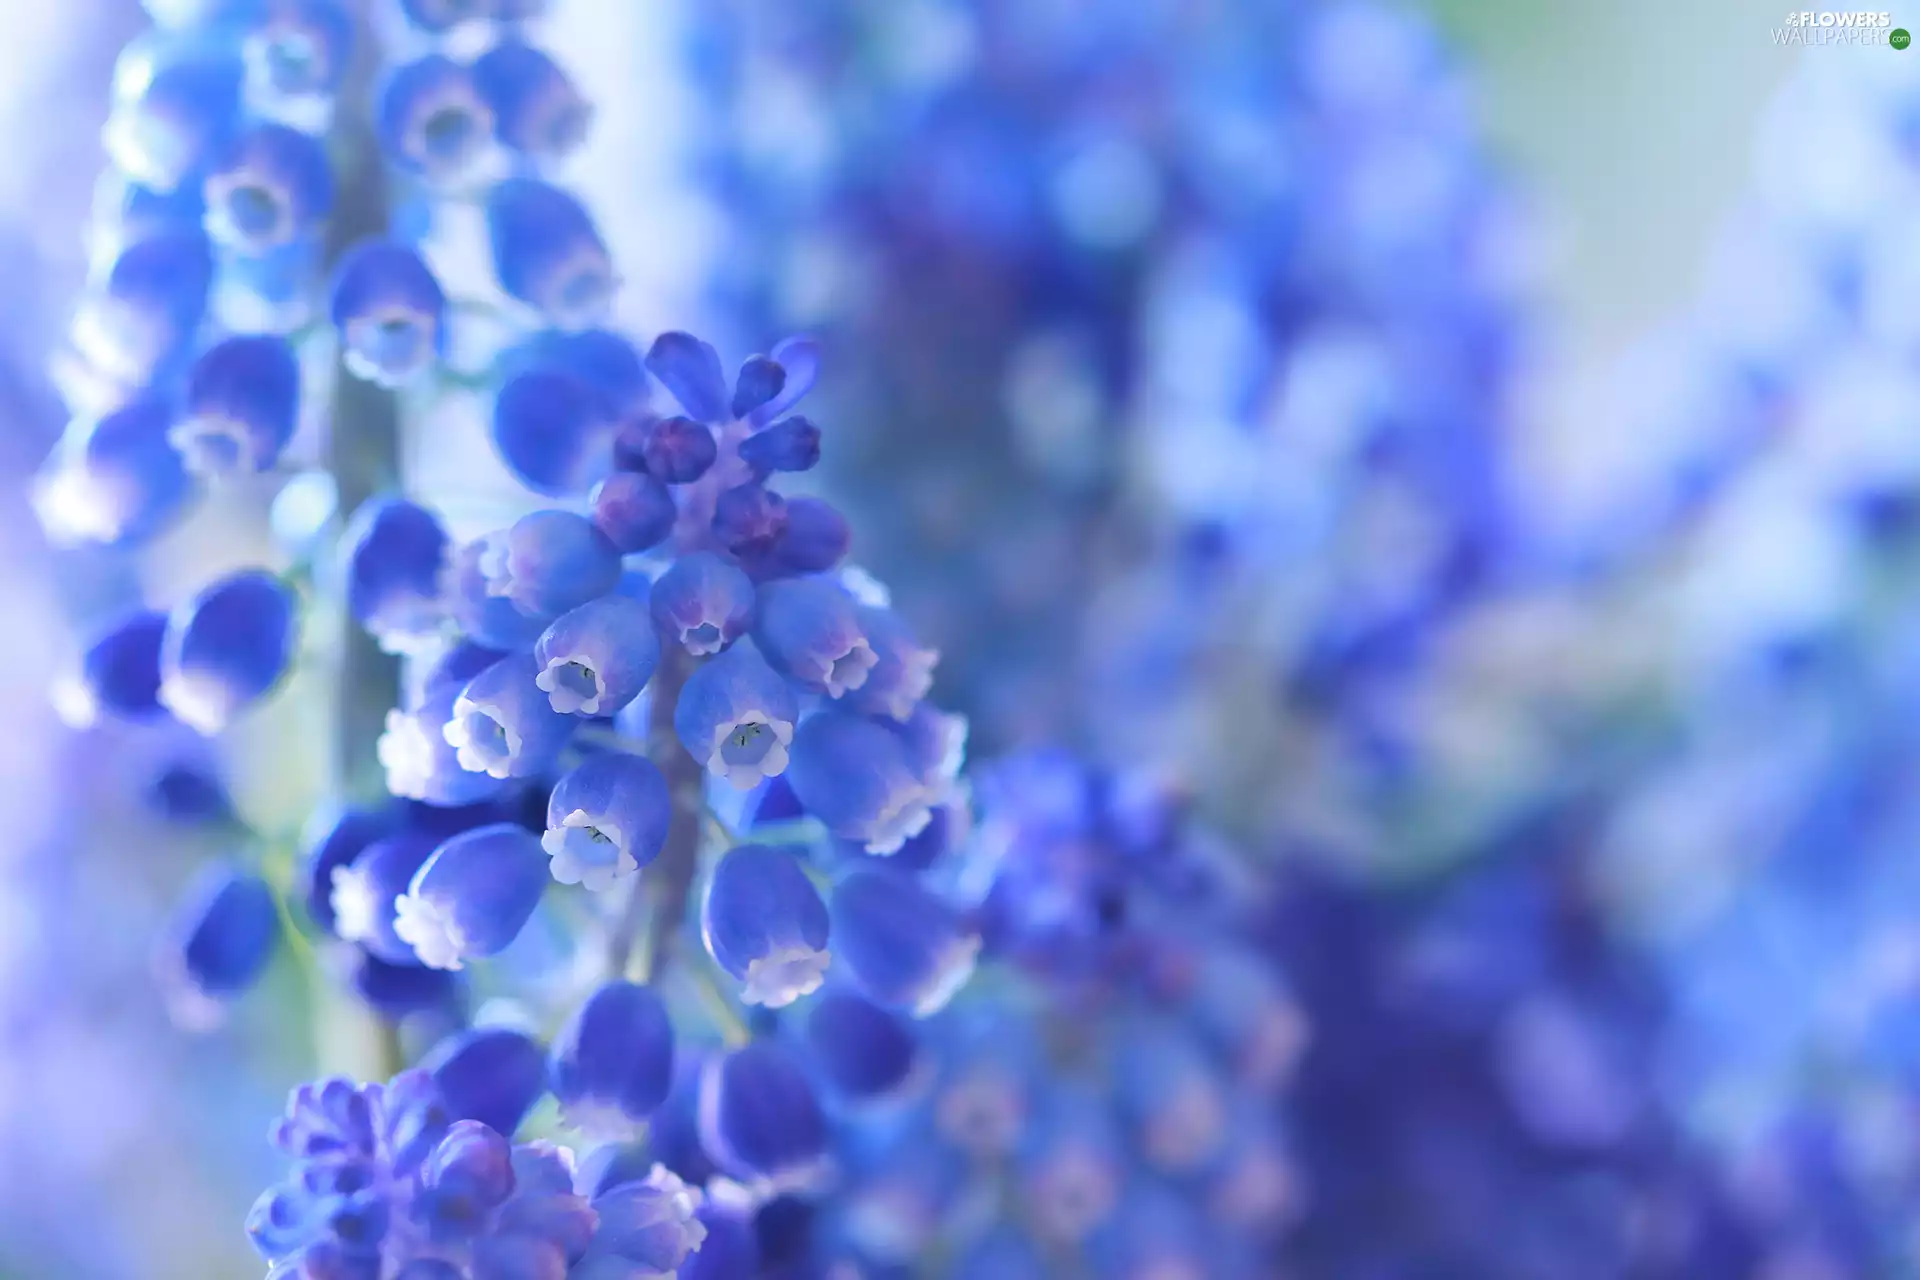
x=657 y=903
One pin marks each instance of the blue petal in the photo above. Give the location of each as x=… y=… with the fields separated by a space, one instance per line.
x=690 y=370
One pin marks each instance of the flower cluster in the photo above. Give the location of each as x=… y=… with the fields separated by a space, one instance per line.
x=1199 y=325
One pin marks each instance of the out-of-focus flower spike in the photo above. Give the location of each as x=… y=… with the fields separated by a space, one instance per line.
x=761 y=1121
x=272 y=187
x=395 y=553
x=220 y=942
x=119 y=672
x=176 y=105
x=554 y=432
x=863 y=1052
x=902 y=946
x=433 y=122
x=296 y=51
x=135 y=327
x=612 y=1065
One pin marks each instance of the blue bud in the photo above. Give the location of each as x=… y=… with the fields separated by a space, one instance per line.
x=492 y=1075
x=420 y=763
x=390 y=312
x=690 y=371
x=553 y=432
x=856 y=777
x=221 y=938
x=799 y=361
x=243 y=403
x=468 y=1176
x=176 y=106
x=432 y=120
x=678 y=450
x=537 y=111
x=273 y=186
x=763 y=922
x=760 y=379
x=863 y=1052
x=547 y=252
x=730 y=1248
x=749 y=520
x=114 y=480
x=736 y=717
x=760 y=1120
x=612 y=1065
x=440 y=16
x=550 y=562
x=472 y=897
x=902 y=672
x=702 y=603
x=395 y=552
x=227 y=648
x=396 y=991
x=595 y=659
x=810 y=631
x=503 y=725
x=138 y=326
x=120 y=671
x=646 y=1228
x=814 y=539
x=297 y=49
x=606 y=820
x=901 y=945
x=792 y=444
x=633 y=511
x=333 y=837
x=366 y=893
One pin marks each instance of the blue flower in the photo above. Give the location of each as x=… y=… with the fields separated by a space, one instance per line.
x=396 y=991
x=749 y=520
x=799 y=361
x=736 y=716
x=595 y=659
x=678 y=450
x=420 y=763
x=729 y=1247
x=763 y=922
x=633 y=511
x=702 y=603
x=175 y=107
x=902 y=673
x=690 y=370
x=473 y=895
x=901 y=945
x=547 y=252
x=503 y=724
x=647 y=1228
x=1171 y=1093
x=136 y=327
x=813 y=538
x=390 y=312
x=858 y=778
x=395 y=552
x=296 y=50
x=1073 y=1164
x=120 y=671
x=333 y=837
x=612 y=1064
x=221 y=939
x=606 y=820
x=554 y=432
x=493 y=1075
x=242 y=405
x=863 y=1052
x=547 y=563
x=536 y=109
x=761 y=1121
x=363 y=902
x=227 y=648
x=760 y=379
x=433 y=122
x=792 y=444
x=810 y=631
x=272 y=187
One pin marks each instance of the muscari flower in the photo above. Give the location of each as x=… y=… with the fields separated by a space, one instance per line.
x=547 y=252
x=863 y=1052
x=509 y=585
x=493 y=1075
x=606 y=819
x=136 y=325
x=612 y=1065
x=702 y=603
x=553 y=431
x=595 y=659
x=902 y=946
x=119 y=672
x=503 y=723
x=296 y=50
x=271 y=187
x=736 y=717
x=763 y=922
x=242 y=405
x=227 y=648
x=395 y=553
x=176 y=104
x=810 y=631
x=363 y=903
x=433 y=122
x=420 y=763
x=633 y=511
x=760 y=1119
x=691 y=372
x=390 y=312
x=858 y=778
x=221 y=939
x=472 y=897
x=536 y=109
